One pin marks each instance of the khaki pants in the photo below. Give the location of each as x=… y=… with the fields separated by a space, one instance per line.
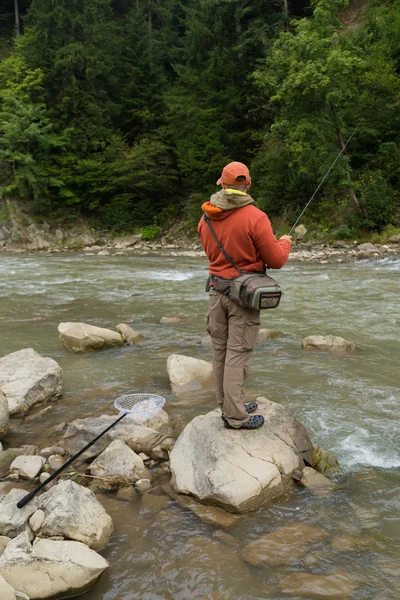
x=234 y=332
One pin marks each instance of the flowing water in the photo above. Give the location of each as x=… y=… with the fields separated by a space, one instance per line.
x=348 y=403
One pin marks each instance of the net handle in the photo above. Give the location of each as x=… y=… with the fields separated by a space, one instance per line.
x=24 y=501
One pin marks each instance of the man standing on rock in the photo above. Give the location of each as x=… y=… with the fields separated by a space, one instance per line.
x=246 y=235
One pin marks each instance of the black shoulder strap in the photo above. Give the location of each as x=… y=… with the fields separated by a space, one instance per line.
x=220 y=246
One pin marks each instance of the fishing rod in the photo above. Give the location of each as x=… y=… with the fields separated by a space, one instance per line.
x=325 y=176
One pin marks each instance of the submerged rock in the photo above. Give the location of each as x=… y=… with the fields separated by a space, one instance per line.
x=171 y=320
x=212 y=515
x=270 y=334
x=129 y=336
x=238 y=470
x=26 y=378
x=187 y=373
x=328 y=342
x=119 y=459
x=73 y=512
x=4 y=417
x=80 y=337
x=316 y=482
x=337 y=586
x=283 y=546
x=48 y=568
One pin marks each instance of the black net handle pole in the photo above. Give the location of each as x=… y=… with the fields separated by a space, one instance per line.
x=325 y=176
x=24 y=501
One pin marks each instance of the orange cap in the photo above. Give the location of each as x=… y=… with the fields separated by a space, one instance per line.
x=231 y=173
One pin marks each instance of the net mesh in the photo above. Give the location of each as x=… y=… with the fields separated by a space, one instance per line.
x=139 y=407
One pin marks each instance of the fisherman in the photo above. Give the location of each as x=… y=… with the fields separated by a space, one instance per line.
x=246 y=235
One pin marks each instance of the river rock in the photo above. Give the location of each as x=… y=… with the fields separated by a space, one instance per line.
x=212 y=515
x=119 y=459
x=13 y=520
x=143 y=485
x=82 y=431
x=26 y=378
x=238 y=470
x=27 y=467
x=80 y=337
x=394 y=239
x=48 y=568
x=300 y=232
x=4 y=418
x=171 y=320
x=127 y=242
x=187 y=373
x=283 y=546
x=270 y=334
x=328 y=342
x=337 y=586
x=316 y=482
x=73 y=511
x=368 y=247
x=37 y=520
x=6 y=458
x=55 y=462
x=129 y=336
x=324 y=462
x=7 y=592
x=3 y=544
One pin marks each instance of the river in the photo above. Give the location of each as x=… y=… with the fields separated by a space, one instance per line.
x=348 y=403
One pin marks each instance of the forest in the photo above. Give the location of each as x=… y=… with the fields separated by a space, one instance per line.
x=125 y=111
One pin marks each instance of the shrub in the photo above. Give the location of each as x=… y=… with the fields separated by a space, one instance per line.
x=150 y=232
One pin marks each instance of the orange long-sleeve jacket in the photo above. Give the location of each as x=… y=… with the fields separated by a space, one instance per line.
x=247 y=237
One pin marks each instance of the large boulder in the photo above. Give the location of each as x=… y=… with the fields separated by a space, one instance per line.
x=73 y=511
x=119 y=460
x=4 y=418
x=49 y=568
x=238 y=470
x=80 y=337
x=187 y=373
x=328 y=343
x=81 y=431
x=7 y=592
x=14 y=520
x=26 y=378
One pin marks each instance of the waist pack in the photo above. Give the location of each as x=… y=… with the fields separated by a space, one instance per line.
x=251 y=290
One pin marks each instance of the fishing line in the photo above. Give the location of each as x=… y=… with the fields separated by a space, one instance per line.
x=325 y=176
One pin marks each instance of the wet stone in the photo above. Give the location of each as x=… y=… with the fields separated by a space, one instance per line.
x=56 y=461
x=283 y=546
x=128 y=494
x=337 y=586
x=212 y=515
x=152 y=503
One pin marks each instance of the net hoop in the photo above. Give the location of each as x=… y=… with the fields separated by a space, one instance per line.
x=139 y=407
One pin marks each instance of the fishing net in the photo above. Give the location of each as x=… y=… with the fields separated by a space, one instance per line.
x=139 y=407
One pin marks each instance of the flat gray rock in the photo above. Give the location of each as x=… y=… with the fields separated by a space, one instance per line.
x=26 y=379
x=49 y=569
x=238 y=470
x=73 y=512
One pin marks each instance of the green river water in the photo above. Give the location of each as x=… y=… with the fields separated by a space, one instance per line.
x=349 y=404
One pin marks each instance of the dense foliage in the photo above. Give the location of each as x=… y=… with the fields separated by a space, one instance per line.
x=126 y=110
